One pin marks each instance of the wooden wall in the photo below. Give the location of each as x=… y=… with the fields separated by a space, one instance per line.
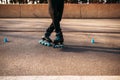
x=70 y=11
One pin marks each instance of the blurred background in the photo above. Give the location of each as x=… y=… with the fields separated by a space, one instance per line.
x=66 y=1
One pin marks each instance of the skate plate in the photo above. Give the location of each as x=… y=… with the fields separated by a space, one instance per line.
x=45 y=43
x=58 y=46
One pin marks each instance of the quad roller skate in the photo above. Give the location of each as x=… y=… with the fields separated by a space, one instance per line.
x=46 y=41
x=58 y=42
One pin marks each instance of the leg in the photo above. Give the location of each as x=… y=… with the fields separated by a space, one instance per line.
x=56 y=11
x=46 y=38
x=49 y=30
x=52 y=6
x=59 y=36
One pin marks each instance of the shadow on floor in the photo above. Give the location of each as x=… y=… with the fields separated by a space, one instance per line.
x=77 y=49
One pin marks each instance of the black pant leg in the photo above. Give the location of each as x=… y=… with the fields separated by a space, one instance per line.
x=51 y=6
x=56 y=10
x=50 y=28
x=60 y=9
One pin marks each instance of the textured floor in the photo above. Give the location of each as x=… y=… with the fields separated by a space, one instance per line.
x=23 y=55
x=59 y=77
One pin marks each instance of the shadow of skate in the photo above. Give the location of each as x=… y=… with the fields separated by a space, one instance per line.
x=78 y=49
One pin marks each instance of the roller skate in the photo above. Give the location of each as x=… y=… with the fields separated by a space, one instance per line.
x=46 y=41
x=58 y=42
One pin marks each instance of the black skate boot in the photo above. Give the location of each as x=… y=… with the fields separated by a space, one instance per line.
x=46 y=41
x=58 y=42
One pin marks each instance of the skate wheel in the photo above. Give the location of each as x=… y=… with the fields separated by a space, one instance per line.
x=55 y=46
x=58 y=46
x=40 y=41
x=48 y=45
x=45 y=44
x=62 y=46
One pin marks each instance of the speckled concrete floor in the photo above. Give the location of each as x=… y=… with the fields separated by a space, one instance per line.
x=23 y=55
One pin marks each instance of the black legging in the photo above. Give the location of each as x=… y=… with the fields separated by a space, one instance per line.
x=56 y=10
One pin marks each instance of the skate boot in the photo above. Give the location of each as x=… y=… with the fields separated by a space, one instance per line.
x=46 y=41
x=58 y=42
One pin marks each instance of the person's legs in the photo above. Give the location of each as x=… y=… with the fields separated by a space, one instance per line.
x=56 y=11
x=51 y=28
x=59 y=34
